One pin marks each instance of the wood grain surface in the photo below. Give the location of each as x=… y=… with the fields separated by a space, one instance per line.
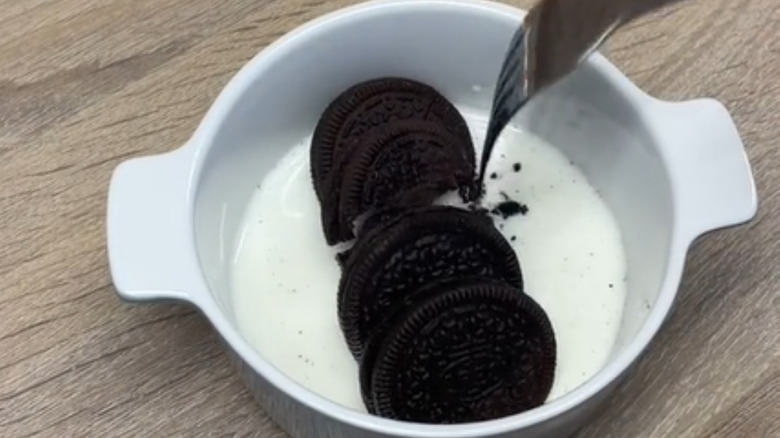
x=85 y=84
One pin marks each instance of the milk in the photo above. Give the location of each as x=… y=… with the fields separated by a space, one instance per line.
x=285 y=277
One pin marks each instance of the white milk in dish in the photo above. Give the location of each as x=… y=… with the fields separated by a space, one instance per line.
x=285 y=276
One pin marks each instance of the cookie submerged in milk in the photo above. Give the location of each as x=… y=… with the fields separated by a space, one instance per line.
x=373 y=103
x=474 y=351
x=392 y=262
x=379 y=331
x=370 y=105
x=402 y=164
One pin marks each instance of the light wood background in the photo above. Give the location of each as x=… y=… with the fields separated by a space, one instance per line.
x=85 y=84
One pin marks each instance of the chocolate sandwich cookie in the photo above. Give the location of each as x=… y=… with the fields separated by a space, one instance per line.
x=404 y=164
x=371 y=104
x=474 y=352
x=379 y=332
x=418 y=247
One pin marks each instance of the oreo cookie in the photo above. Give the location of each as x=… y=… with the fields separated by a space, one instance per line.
x=379 y=331
x=473 y=352
x=403 y=164
x=395 y=259
x=371 y=104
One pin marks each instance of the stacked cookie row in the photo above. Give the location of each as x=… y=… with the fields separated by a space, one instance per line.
x=431 y=297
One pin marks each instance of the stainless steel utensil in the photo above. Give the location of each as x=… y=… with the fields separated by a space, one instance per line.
x=554 y=38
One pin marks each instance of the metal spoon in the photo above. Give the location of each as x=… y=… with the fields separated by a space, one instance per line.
x=555 y=37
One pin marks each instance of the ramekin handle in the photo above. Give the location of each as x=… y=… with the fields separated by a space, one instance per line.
x=150 y=241
x=710 y=171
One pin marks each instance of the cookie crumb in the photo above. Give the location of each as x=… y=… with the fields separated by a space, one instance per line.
x=508 y=209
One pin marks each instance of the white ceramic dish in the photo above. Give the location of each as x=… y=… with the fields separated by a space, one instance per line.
x=669 y=171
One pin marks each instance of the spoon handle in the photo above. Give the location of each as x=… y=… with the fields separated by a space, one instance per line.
x=562 y=33
x=554 y=38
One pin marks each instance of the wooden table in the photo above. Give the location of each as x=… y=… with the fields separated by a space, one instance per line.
x=85 y=84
